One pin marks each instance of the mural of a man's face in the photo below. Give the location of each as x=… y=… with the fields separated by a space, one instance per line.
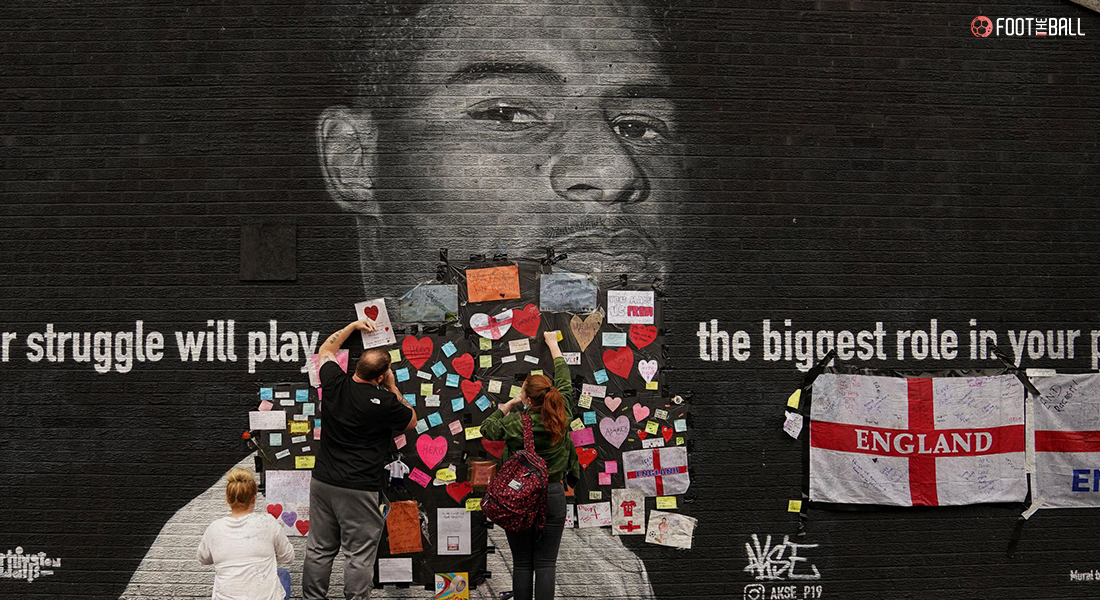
x=554 y=117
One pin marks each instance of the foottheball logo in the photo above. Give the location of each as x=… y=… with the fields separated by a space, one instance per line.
x=981 y=26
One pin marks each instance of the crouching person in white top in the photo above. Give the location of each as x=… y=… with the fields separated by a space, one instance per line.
x=245 y=546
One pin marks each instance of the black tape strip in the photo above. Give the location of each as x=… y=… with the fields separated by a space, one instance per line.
x=1013 y=369
x=1014 y=539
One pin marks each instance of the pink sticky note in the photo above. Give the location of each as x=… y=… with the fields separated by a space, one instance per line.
x=399 y=441
x=456 y=427
x=611 y=467
x=605 y=478
x=316 y=433
x=583 y=437
x=420 y=477
x=266 y=405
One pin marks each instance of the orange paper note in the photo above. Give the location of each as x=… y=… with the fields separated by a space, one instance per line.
x=495 y=283
x=403 y=527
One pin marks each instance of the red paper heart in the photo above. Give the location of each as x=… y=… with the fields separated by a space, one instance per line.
x=619 y=361
x=275 y=510
x=642 y=335
x=666 y=432
x=302 y=526
x=641 y=434
x=416 y=350
x=470 y=389
x=458 y=491
x=586 y=456
x=464 y=365
x=526 y=321
x=494 y=448
x=371 y=312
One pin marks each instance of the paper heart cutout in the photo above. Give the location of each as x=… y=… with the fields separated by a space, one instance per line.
x=666 y=432
x=493 y=327
x=371 y=312
x=641 y=434
x=470 y=389
x=464 y=365
x=418 y=351
x=615 y=430
x=431 y=449
x=619 y=361
x=586 y=456
x=642 y=335
x=648 y=369
x=612 y=403
x=458 y=491
x=289 y=517
x=585 y=331
x=494 y=448
x=526 y=321
x=275 y=510
x=641 y=411
x=302 y=526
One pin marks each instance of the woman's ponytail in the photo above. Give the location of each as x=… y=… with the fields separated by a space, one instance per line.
x=549 y=402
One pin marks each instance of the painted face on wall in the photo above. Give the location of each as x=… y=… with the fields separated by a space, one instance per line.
x=549 y=126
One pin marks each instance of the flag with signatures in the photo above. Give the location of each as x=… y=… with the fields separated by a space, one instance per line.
x=1067 y=441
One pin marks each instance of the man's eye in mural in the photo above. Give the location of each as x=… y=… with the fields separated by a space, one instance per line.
x=640 y=128
x=503 y=116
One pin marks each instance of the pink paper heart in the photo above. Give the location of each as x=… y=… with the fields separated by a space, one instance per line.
x=640 y=412
x=612 y=403
x=432 y=449
x=615 y=431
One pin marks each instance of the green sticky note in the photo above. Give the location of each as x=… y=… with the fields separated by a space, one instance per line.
x=485 y=344
x=514 y=391
x=485 y=361
x=395 y=355
x=425 y=389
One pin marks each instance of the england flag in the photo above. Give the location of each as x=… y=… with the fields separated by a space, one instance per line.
x=1067 y=441
x=918 y=441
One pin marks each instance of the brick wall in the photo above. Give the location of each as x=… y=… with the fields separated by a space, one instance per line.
x=837 y=164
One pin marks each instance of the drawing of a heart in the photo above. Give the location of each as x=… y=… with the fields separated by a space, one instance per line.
x=615 y=430
x=585 y=331
x=464 y=365
x=470 y=389
x=642 y=335
x=586 y=456
x=289 y=517
x=302 y=526
x=526 y=321
x=648 y=369
x=494 y=448
x=431 y=450
x=371 y=312
x=458 y=491
x=619 y=361
x=275 y=510
x=612 y=403
x=418 y=351
x=493 y=327
x=666 y=432
x=640 y=412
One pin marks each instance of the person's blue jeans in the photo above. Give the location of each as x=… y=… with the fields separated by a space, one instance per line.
x=535 y=556
x=284 y=578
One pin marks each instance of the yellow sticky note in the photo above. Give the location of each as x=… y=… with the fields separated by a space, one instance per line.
x=395 y=355
x=652 y=385
x=560 y=336
x=512 y=393
x=536 y=372
x=595 y=495
x=445 y=475
x=299 y=427
x=485 y=361
x=303 y=462
x=679 y=441
x=485 y=343
x=472 y=433
x=794 y=506
x=795 y=398
x=651 y=427
x=666 y=502
x=425 y=389
x=576 y=425
x=473 y=504
x=585 y=401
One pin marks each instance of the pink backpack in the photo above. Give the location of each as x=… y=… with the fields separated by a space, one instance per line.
x=516 y=496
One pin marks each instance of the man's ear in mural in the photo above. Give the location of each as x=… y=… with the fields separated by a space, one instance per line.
x=346 y=141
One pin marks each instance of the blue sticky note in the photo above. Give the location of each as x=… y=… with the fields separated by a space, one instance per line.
x=458 y=404
x=266 y=393
x=301 y=395
x=439 y=369
x=601 y=376
x=590 y=417
x=434 y=419
x=317 y=423
x=482 y=403
x=615 y=339
x=449 y=349
x=411 y=399
x=421 y=426
x=452 y=379
x=402 y=374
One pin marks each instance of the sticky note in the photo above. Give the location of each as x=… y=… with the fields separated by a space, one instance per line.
x=794 y=506
x=679 y=441
x=795 y=398
x=590 y=417
x=306 y=448
x=299 y=427
x=485 y=361
x=298 y=439
x=661 y=414
x=316 y=423
x=395 y=355
x=595 y=495
x=432 y=401
x=605 y=478
x=512 y=393
x=509 y=358
x=438 y=369
x=426 y=389
x=282 y=394
x=452 y=379
x=482 y=403
x=445 y=475
x=449 y=349
x=286 y=402
x=583 y=437
x=576 y=424
x=611 y=467
x=614 y=339
x=585 y=401
x=316 y=433
x=652 y=385
x=275 y=439
x=421 y=426
x=531 y=359
x=411 y=399
x=401 y=374
x=423 y=375
x=282 y=455
x=536 y=372
x=601 y=376
x=399 y=441
x=666 y=502
x=458 y=404
x=301 y=395
x=472 y=433
x=265 y=405
x=680 y=425
x=651 y=427
x=485 y=344
x=267 y=394
x=304 y=462
x=516 y=346
x=299 y=417
x=434 y=419
x=473 y=504
x=559 y=335
x=420 y=477
x=309 y=409
x=456 y=427
x=494 y=386
x=793 y=424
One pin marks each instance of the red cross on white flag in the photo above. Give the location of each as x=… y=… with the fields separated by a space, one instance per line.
x=1067 y=440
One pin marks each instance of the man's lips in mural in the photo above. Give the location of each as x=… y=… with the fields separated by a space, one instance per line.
x=609 y=250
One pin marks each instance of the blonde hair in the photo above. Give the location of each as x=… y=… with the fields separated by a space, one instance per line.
x=241 y=490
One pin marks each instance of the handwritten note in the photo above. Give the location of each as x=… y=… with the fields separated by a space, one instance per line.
x=262 y=420
x=583 y=437
x=494 y=283
x=376 y=311
x=403 y=526
x=630 y=306
x=304 y=462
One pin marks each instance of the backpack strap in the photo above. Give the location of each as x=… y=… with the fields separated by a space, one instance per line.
x=528 y=434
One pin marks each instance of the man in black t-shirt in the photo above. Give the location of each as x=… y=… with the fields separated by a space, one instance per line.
x=358 y=417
